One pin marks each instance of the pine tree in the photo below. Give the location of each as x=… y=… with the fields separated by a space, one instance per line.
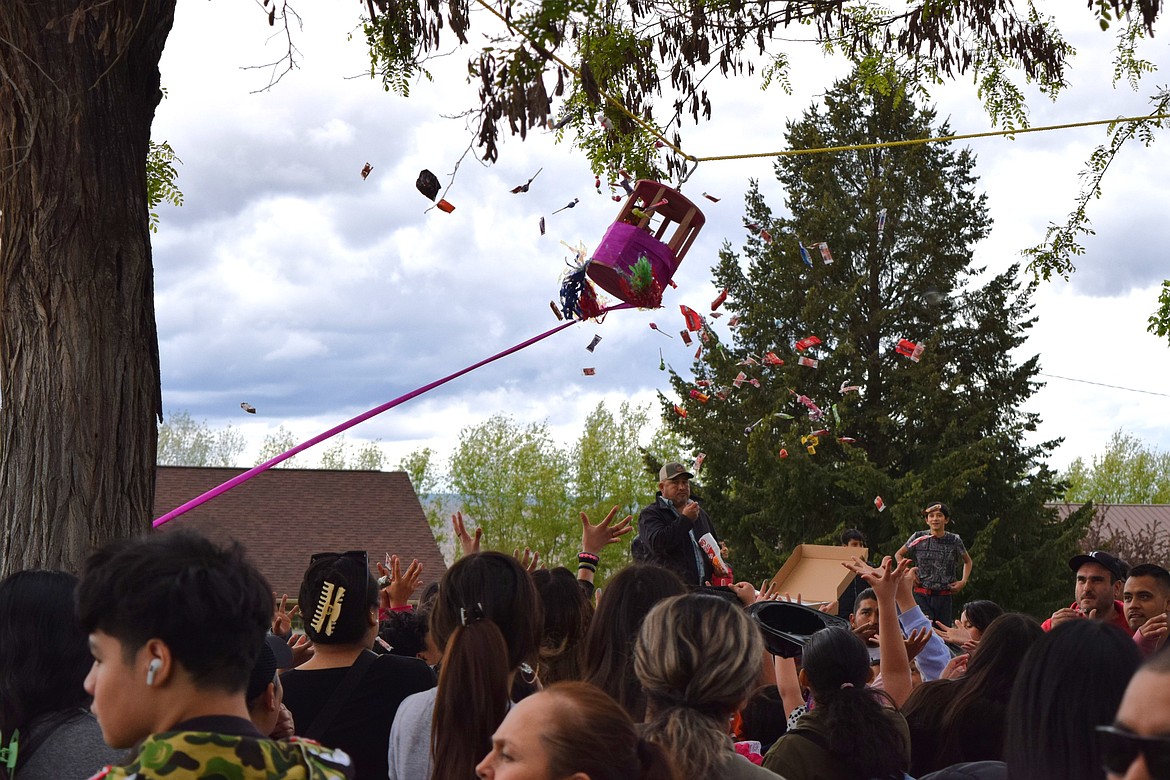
x=899 y=225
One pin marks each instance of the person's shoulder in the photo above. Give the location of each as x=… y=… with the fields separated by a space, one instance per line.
x=736 y=767
x=189 y=755
x=953 y=537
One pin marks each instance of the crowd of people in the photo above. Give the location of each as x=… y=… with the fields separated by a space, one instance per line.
x=171 y=658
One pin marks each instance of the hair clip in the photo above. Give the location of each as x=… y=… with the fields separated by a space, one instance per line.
x=328 y=608
x=476 y=613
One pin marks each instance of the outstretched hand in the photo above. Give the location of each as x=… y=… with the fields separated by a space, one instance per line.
x=595 y=537
x=466 y=542
x=402 y=585
x=954 y=635
x=884 y=579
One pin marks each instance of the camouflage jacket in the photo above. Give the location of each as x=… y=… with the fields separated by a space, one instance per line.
x=203 y=755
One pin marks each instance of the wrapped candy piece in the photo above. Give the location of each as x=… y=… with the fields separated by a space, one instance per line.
x=686 y=337
x=700 y=397
x=681 y=412
x=698 y=351
x=661 y=361
x=524 y=187
x=771 y=359
x=721 y=395
x=593 y=344
x=711 y=198
x=698 y=464
x=846 y=440
x=719 y=299
x=820 y=433
x=716 y=314
x=445 y=206
x=653 y=326
x=754 y=382
x=814 y=411
x=739 y=380
x=783 y=453
x=806 y=342
x=805 y=257
x=588 y=371
x=848 y=388
x=748 y=361
x=826 y=256
x=764 y=234
x=881 y=222
x=910 y=349
x=810 y=443
x=807 y=361
x=733 y=322
x=367 y=169
x=693 y=319
x=703 y=382
x=881 y=505
x=428 y=184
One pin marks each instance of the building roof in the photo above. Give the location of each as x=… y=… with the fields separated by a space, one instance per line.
x=1124 y=518
x=283 y=516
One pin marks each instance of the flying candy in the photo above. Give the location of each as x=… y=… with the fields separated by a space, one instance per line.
x=719 y=300
x=807 y=361
x=881 y=505
x=588 y=371
x=593 y=344
x=524 y=187
x=367 y=169
x=806 y=342
x=428 y=184
x=825 y=255
x=910 y=349
x=805 y=256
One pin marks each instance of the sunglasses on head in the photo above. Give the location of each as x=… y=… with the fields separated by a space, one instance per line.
x=354 y=555
x=1120 y=748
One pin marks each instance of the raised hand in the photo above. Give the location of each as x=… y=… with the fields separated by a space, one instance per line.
x=301 y=647
x=402 y=585
x=466 y=542
x=916 y=641
x=282 y=616
x=594 y=538
x=528 y=559
x=955 y=635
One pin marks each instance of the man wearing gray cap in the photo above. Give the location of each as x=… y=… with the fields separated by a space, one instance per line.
x=669 y=529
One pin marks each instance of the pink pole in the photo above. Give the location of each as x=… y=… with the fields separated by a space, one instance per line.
x=244 y=477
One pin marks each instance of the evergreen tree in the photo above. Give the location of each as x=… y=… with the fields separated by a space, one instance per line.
x=899 y=225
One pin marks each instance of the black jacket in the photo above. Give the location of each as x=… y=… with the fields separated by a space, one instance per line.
x=664 y=534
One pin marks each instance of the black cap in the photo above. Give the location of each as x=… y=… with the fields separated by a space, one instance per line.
x=672 y=470
x=274 y=654
x=1117 y=567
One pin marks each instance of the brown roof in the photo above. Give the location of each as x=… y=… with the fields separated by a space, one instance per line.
x=282 y=516
x=1124 y=518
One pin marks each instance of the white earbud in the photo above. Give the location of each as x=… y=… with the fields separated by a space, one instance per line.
x=152 y=670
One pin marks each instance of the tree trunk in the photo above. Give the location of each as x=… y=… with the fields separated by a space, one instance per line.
x=80 y=392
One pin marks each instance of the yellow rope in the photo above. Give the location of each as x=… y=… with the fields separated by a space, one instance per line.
x=824 y=149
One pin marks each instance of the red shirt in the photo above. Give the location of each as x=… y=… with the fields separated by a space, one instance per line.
x=1118 y=618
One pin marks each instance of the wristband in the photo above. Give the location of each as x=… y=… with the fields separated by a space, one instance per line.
x=588 y=557
x=589 y=566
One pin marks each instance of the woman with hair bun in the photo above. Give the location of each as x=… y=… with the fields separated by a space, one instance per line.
x=851 y=732
x=572 y=730
x=698 y=659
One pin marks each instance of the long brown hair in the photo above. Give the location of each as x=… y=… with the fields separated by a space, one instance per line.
x=487 y=618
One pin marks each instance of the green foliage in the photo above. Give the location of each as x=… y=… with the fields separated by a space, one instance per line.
x=1128 y=472
x=184 y=442
x=161 y=175
x=645 y=52
x=949 y=427
x=279 y=441
x=424 y=472
x=511 y=480
x=340 y=455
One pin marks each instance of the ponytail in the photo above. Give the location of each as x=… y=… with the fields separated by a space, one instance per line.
x=654 y=761
x=471 y=701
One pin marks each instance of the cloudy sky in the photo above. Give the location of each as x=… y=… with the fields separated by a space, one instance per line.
x=287 y=281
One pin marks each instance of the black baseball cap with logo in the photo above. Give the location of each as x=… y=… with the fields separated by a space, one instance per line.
x=1115 y=566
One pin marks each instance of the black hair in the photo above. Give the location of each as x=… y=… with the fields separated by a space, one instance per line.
x=952 y=721
x=981 y=613
x=763 y=718
x=861 y=734
x=405 y=632
x=852 y=534
x=323 y=580
x=1153 y=571
x=209 y=604
x=946 y=510
x=1070 y=682
x=487 y=618
x=44 y=654
x=865 y=595
x=567 y=613
x=609 y=644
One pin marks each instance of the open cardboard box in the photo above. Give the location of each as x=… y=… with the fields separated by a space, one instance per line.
x=815 y=572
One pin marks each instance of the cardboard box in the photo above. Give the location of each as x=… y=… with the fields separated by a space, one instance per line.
x=815 y=572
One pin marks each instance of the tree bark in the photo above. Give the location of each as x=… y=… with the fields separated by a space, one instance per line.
x=80 y=393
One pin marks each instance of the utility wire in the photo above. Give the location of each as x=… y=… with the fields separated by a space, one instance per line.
x=1102 y=384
